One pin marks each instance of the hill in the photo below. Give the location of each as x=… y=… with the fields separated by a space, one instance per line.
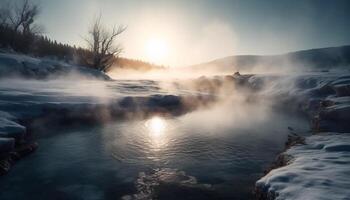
x=322 y=59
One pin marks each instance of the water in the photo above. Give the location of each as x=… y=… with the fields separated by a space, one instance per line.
x=158 y=157
x=212 y=153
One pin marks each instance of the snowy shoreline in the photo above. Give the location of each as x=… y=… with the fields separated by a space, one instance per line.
x=314 y=170
x=317 y=167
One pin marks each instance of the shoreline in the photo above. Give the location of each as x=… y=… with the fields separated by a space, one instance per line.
x=311 y=166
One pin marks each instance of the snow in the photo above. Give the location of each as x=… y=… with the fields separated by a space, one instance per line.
x=9 y=130
x=16 y=65
x=318 y=170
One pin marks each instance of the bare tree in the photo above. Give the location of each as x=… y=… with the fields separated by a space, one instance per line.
x=102 y=45
x=22 y=17
x=4 y=16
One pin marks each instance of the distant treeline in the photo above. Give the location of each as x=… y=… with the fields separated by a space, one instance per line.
x=41 y=46
x=35 y=45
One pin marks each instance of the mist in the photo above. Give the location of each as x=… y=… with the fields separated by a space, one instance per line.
x=168 y=100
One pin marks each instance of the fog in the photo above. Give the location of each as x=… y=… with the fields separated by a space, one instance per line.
x=195 y=98
x=218 y=96
x=167 y=120
x=235 y=103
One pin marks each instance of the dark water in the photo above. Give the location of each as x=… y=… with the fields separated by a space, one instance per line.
x=191 y=157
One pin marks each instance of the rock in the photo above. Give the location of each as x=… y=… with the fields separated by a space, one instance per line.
x=6 y=145
x=237 y=74
x=342 y=90
x=5 y=166
x=326 y=103
x=24 y=150
x=339 y=113
x=294 y=139
x=13 y=154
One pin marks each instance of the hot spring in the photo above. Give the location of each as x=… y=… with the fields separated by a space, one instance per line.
x=215 y=152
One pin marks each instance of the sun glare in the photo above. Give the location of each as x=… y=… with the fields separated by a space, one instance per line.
x=156 y=126
x=157 y=50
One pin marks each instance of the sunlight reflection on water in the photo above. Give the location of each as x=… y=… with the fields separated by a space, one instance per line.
x=157 y=132
x=156 y=126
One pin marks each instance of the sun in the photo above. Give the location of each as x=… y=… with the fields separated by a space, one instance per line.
x=157 y=50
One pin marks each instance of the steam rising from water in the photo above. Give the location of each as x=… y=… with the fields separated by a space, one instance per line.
x=226 y=136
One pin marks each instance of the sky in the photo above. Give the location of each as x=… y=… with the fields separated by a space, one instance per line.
x=185 y=32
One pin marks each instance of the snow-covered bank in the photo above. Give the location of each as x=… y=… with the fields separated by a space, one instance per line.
x=317 y=170
x=319 y=167
x=17 y=65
